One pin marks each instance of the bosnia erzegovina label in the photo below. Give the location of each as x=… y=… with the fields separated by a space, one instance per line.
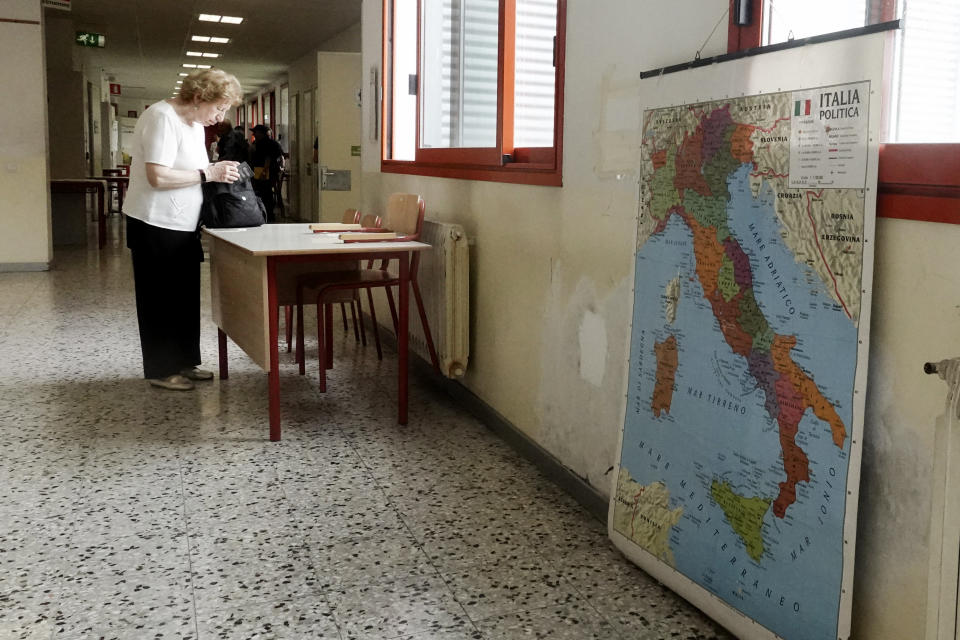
x=744 y=348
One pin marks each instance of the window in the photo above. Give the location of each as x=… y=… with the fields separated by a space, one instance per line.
x=474 y=89
x=786 y=20
x=918 y=171
x=926 y=107
x=924 y=103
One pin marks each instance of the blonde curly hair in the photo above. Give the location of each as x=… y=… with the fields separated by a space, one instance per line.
x=211 y=85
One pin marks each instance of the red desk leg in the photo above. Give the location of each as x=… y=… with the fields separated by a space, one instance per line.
x=403 y=327
x=328 y=335
x=222 y=348
x=274 y=375
x=101 y=218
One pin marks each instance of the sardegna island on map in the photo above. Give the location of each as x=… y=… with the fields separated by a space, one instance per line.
x=736 y=444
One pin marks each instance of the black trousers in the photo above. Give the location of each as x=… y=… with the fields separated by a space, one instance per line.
x=166 y=276
x=264 y=189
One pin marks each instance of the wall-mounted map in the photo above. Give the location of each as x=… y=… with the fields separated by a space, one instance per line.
x=735 y=483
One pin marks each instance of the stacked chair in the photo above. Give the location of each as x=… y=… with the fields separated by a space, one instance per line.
x=404 y=215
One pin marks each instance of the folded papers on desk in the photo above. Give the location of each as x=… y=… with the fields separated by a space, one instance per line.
x=318 y=227
x=368 y=236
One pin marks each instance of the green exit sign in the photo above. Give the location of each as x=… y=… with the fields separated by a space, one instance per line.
x=87 y=39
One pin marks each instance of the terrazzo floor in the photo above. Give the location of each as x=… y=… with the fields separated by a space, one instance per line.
x=133 y=513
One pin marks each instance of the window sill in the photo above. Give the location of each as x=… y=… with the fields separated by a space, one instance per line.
x=512 y=173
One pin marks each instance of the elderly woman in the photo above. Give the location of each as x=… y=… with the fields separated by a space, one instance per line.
x=162 y=208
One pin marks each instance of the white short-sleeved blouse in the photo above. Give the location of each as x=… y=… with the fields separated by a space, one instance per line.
x=161 y=137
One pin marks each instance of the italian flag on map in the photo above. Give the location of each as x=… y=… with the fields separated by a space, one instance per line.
x=801 y=108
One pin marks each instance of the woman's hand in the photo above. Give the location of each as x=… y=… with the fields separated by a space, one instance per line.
x=223 y=171
x=163 y=177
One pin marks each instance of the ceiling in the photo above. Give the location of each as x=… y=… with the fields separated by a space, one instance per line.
x=147 y=40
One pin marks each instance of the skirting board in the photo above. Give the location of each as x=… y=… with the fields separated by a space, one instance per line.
x=24 y=266
x=588 y=497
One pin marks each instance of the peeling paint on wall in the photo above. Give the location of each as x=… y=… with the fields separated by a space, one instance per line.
x=893 y=523
x=593 y=348
x=618 y=131
x=581 y=393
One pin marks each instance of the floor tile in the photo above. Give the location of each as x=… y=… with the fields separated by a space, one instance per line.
x=30 y=614
x=397 y=609
x=369 y=560
x=131 y=513
x=128 y=612
x=34 y=552
x=469 y=633
x=507 y=586
x=229 y=570
x=569 y=621
x=274 y=620
x=118 y=581
x=651 y=612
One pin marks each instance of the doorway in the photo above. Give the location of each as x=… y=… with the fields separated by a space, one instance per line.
x=339 y=134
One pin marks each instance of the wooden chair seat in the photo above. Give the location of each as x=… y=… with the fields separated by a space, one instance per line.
x=404 y=215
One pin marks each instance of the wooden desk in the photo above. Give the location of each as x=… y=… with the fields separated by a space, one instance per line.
x=253 y=272
x=118 y=182
x=97 y=185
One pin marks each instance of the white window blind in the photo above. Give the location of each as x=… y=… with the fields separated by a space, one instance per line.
x=459 y=73
x=927 y=98
x=924 y=102
x=535 y=75
x=795 y=19
x=403 y=97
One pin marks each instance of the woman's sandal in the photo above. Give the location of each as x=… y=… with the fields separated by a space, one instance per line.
x=197 y=374
x=175 y=382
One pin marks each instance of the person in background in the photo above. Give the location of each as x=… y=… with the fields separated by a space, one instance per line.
x=233 y=145
x=265 y=158
x=162 y=209
x=220 y=130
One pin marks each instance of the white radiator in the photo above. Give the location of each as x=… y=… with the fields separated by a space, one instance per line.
x=445 y=286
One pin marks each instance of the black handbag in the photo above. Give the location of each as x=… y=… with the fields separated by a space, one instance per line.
x=232 y=205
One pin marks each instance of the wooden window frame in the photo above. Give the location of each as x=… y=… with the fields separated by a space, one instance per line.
x=915 y=181
x=535 y=165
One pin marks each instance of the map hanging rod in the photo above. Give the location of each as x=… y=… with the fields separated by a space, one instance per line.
x=890 y=25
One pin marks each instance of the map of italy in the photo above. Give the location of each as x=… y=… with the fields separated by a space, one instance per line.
x=736 y=445
x=695 y=174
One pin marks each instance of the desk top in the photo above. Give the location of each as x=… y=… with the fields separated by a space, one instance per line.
x=297 y=238
x=92 y=182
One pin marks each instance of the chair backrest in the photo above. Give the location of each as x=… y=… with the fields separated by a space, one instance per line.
x=351 y=216
x=370 y=221
x=405 y=215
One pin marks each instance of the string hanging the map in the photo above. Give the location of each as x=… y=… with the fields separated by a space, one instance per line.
x=726 y=12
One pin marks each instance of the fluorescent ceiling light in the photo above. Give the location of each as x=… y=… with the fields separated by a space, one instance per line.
x=183 y=75
x=210 y=17
x=179 y=81
x=195 y=54
x=211 y=55
x=189 y=66
x=211 y=39
x=203 y=66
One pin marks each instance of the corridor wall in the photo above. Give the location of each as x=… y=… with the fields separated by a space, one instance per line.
x=26 y=242
x=550 y=292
